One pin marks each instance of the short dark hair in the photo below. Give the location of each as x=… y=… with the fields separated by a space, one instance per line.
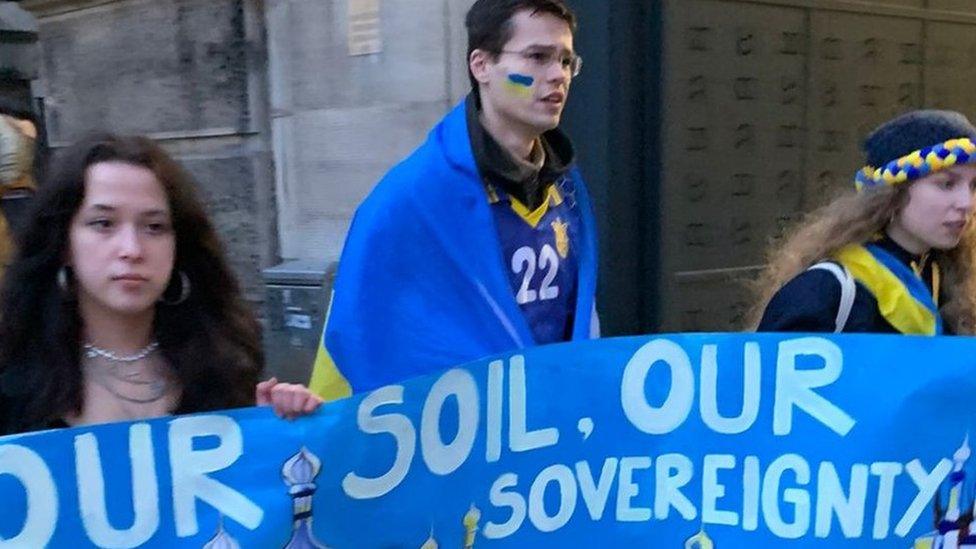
x=489 y=23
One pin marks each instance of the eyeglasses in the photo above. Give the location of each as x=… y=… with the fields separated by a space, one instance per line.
x=542 y=58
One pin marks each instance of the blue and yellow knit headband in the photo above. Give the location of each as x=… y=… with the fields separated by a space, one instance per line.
x=918 y=164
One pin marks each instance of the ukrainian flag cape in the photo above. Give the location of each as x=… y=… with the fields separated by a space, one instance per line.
x=421 y=284
x=903 y=299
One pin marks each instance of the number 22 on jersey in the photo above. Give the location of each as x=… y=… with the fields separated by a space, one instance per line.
x=525 y=261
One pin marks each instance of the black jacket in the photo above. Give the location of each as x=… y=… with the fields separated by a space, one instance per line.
x=809 y=302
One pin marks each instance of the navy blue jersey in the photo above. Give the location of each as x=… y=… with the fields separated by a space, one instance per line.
x=539 y=249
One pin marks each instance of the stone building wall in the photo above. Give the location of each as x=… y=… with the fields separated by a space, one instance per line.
x=285 y=129
x=339 y=121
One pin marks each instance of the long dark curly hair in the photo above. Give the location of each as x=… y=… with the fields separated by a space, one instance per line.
x=211 y=340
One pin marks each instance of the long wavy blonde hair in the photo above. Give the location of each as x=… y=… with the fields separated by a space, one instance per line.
x=855 y=218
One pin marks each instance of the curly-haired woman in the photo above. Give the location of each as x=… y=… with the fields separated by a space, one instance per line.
x=897 y=254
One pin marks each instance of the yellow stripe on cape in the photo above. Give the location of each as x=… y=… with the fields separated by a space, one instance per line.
x=327 y=381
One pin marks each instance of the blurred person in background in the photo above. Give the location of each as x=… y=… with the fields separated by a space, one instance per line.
x=19 y=160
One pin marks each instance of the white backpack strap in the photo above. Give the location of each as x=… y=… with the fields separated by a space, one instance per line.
x=847 y=290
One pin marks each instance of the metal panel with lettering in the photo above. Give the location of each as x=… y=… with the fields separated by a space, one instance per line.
x=961 y=6
x=733 y=142
x=864 y=69
x=950 y=67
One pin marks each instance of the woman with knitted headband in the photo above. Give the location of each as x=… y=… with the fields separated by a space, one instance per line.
x=895 y=255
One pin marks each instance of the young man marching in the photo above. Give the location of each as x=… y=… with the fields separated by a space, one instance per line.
x=483 y=240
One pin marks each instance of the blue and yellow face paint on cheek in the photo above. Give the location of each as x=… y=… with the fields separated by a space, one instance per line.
x=519 y=85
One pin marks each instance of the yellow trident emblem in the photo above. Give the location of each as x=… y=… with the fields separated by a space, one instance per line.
x=559 y=228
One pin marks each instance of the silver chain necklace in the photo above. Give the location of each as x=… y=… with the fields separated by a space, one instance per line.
x=92 y=351
x=119 y=372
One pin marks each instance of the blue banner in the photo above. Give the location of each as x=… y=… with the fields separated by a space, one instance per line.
x=710 y=440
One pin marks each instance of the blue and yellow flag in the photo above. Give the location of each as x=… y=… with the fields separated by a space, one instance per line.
x=903 y=298
x=421 y=284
